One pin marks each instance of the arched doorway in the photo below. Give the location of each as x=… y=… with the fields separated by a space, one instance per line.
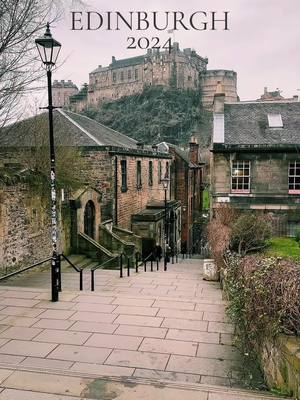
x=89 y=219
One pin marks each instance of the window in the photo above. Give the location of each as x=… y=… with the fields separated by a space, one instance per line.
x=136 y=74
x=159 y=172
x=294 y=177
x=275 y=121
x=114 y=77
x=138 y=174
x=240 y=177
x=129 y=74
x=123 y=176
x=122 y=76
x=150 y=173
x=167 y=170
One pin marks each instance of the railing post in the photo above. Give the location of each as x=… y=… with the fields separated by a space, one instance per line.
x=59 y=272
x=81 y=279
x=151 y=265
x=157 y=264
x=121 y=266
x=145 y=265
x=92 y=280
x=172 y=258
x=176 y=257
x=136 y=263
x=128 y=266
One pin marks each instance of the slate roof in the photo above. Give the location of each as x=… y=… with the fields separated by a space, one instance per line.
x=247 y=123
x=127 y=62
x=184 y=154
x=70 y=129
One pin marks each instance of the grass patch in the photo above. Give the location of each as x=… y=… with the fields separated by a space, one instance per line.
x=283 y=247
x=206 y=199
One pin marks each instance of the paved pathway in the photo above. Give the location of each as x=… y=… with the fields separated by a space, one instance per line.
x=163 y=326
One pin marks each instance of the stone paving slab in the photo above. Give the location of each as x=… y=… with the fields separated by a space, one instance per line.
x=152 y=324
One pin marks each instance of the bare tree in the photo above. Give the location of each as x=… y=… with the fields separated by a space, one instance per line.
x=21 y=21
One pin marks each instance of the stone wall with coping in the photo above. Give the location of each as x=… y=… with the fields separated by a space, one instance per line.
x=281 y=365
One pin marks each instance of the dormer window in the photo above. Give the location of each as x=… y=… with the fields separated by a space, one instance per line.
x=275 y=121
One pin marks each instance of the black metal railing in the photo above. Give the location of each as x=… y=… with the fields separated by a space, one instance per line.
x=80 y=270
x=101 y=266
x=37 y=264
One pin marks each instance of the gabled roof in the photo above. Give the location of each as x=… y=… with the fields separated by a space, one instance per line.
x=70 y=129
x=246 y=123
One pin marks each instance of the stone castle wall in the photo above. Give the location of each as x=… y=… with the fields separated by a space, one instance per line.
x=209 y=83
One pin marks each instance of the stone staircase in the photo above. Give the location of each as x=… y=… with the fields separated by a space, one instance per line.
x=80 y=261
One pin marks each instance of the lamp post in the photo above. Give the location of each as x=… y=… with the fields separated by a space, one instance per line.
x=49 y=49
x=165 y=182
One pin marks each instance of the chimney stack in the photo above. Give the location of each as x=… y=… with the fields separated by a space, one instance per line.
x=194 y=150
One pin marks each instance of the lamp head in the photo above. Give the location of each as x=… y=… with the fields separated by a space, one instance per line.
x=48 y=48
x=165 y=182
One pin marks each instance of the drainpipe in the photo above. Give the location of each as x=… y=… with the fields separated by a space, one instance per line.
x=116 y=191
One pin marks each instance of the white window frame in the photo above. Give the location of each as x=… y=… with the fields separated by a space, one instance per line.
x=293 y=164
x=241 y=164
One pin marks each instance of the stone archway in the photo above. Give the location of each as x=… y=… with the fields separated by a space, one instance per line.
x=90 y=219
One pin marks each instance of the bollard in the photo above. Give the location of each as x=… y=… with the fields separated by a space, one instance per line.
x=172 y=259
x=157 y=264
x=121 y=266
x=128 y=266
x=151 y=265
x=145 y=266
x=92 y=280
x=81 y=279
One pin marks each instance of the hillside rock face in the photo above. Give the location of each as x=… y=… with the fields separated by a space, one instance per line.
x=157 y=114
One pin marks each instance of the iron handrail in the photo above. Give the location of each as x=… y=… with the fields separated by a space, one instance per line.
x=24 y=269
x=99 y=266
x=80 y=270
x=70 y=262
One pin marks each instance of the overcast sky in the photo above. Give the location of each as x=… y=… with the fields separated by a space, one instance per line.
x=262 y=45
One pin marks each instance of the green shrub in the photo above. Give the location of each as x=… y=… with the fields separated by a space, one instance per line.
x=297 y=235
x=249 y=233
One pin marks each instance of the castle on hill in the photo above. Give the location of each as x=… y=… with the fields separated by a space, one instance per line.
x=181 y=69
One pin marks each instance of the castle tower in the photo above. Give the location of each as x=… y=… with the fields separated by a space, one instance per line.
x=212 y=80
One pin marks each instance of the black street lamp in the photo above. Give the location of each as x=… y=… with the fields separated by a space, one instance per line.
x=165 y=182
x=49 y=49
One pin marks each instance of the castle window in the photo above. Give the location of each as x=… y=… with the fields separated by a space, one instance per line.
x=123 y=175
x=114 y=77
x=275 y=121
x=294 y=177
x=136 y=74
x=122 y=75
x=138 y=174
x=240 y=177
x=129 y=74
x=150 y=173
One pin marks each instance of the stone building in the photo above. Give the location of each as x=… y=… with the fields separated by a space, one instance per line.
x=121 y=179
x=179 y=69
x=275 y=96
x=182 y=69
x=187 y=187
x=61 y=92
x=255 y=159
